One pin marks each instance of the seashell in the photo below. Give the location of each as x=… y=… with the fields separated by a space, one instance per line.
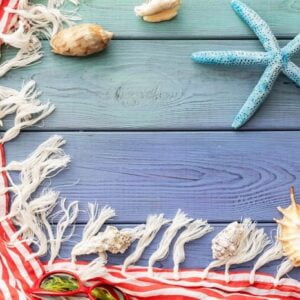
x=289 y=230
x=116 y=241
x=81 y=40
x=162 y=16
x=158 y=10
x=226 y=242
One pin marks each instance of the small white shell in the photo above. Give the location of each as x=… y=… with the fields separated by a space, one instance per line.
x=226 y=242
x=158 y=10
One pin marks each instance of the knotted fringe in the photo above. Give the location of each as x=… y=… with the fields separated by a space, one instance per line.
x=35 y=21
x=179 y=221
x=58 y=3
x=47 y=159
x=152 y=227
x=30 y=215
x=285 y=267
x=28 y=44
x=273 y=253
x=30 y=222
x=25 y=104
x=193 y=231
x=95 y=223
x=94 y=269
x=69 y=215
x=252 y=243
x=42 y=19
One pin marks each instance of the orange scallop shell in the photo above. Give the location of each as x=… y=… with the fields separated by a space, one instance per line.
x=289 y=230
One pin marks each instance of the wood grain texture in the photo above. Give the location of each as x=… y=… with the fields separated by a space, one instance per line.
x=153 y=85
x=198 y=253
x=221 y=176
x=196 y=19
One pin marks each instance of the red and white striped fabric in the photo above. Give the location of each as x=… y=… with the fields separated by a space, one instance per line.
x=7 y=20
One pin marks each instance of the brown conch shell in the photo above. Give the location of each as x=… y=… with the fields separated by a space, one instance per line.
x=289 y=230
x=80 y=40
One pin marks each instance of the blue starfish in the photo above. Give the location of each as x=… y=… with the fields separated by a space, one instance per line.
x=275 y=59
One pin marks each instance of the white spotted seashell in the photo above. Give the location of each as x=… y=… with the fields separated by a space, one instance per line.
x=226 y=242
x=289 y=230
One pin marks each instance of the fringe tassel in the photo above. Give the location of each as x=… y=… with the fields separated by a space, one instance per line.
x=96 y=221
x=44 y=162
x=94 y=269
x=253 y=241
x=23 y=58
x=193 y=231
x=179 y=221
x=30 y=222
x=27 y=107
x=153 y=225
x=59 y=3
x=42 y=19
x=273 y=253
x=285 y=267
x=69 y=215
x=36 y=20
x=28 y=44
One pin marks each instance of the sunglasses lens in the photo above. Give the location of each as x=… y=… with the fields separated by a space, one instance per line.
x=106 y=293
x=59 y=283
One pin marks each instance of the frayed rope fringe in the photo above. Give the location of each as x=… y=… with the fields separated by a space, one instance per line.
x=58 y=3
x=95 y=223
x=193 y=231
x=28 y=44
x=152 y=227
x=28 y=214
x=273 y=253
x=179 y=221
x=35 y=21
x=252 y=243
x=285 y=267
x=26 y=106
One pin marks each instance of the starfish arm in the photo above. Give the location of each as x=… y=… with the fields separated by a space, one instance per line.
x=292 y=48
x=231 y=57
x=258 y=95
x=257 y=24
x=292 y=71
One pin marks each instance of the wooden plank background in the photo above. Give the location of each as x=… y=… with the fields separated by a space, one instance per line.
x=149 y=130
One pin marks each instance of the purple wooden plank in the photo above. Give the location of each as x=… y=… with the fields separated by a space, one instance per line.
x=221 y=176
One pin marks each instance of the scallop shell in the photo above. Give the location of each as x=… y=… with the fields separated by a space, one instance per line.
x=226 y=242
x=81 y=40
x=289 y=230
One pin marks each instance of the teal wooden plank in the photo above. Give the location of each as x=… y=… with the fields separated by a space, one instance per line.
x=197 y=19
x=154 y=85
x=198 y=253
x=221 y=176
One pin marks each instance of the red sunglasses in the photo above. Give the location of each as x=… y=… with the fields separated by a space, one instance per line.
x=63 y=283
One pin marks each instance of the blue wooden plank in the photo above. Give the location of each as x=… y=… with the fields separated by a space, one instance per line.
x=154 y=85
x=198 y=253
x=196 y=19
x=245 y=174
